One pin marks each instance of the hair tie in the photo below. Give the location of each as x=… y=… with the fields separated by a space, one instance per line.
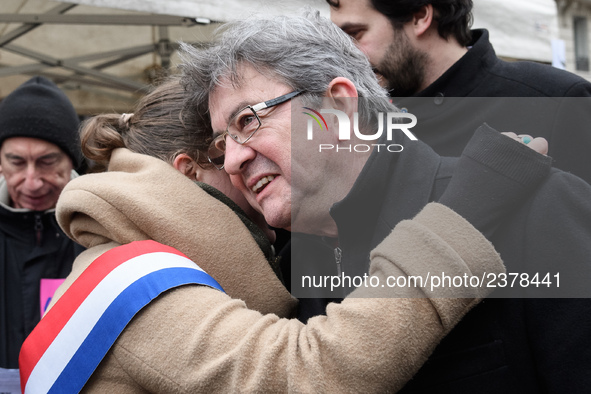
x=124 y=120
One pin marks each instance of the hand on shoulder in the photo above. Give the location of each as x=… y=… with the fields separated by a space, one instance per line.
x=538 y=144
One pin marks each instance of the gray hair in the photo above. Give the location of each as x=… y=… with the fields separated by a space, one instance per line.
x=304 y=52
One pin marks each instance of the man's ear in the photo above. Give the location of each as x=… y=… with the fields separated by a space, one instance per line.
x=186 y=165
x=341 y=87
x=342 y=94
x=422 y=20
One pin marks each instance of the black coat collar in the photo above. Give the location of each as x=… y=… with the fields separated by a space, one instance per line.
x=390 y=188
x=465 y=73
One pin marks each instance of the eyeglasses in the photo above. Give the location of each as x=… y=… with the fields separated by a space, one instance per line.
x=242 y=127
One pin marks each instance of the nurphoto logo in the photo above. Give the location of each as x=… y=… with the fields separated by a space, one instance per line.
x=393 y=121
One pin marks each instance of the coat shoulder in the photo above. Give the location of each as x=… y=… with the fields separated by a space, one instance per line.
x=530 y=79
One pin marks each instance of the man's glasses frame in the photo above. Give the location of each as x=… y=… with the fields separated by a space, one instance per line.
x=217 y=148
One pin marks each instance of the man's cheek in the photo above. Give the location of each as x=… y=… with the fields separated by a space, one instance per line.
x=251 y=199
x=238 y=183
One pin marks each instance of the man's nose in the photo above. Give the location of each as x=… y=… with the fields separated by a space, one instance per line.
x=237 y=156
x=33 y=179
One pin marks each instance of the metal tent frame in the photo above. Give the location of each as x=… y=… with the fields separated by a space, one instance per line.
x=99 y=67
x=78 y=72
x=102 y=75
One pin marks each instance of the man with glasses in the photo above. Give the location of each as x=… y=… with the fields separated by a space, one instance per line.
x=241 y=128
x=350 y=196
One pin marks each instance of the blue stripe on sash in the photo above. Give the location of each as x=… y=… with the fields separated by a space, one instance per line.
x=115 y=319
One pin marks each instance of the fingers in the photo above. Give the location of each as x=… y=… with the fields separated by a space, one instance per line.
x=538 y=144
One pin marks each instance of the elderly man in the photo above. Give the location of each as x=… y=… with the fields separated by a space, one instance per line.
x=426 y=49
x=321 y=168
x=39 y=147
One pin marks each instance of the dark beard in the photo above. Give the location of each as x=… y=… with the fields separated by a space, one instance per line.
x=403 y=67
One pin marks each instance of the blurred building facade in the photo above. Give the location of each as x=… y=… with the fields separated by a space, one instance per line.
x=555 y=32
x=574 y=17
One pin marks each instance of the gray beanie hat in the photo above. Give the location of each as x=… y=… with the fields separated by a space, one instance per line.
x=39 y=109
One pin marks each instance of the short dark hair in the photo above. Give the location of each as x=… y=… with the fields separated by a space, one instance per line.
x=453 y=17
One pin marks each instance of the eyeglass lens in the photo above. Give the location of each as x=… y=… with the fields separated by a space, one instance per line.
x=243 y=125
x=217 y=151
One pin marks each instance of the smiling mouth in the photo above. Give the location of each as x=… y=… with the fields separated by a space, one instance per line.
x=262 y=183
x=35 y=198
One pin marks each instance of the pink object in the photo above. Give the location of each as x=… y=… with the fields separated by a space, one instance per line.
x=46 y=291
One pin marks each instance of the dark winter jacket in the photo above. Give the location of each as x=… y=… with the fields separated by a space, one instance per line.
x=32 y=247
x=505 y=345
x=522 y=97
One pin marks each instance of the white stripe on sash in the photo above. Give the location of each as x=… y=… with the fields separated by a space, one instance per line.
x=67 y=342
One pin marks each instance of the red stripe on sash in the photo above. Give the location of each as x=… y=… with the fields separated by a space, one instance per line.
x=53 y=322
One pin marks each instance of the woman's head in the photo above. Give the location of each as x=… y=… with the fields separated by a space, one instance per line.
x=159 y=127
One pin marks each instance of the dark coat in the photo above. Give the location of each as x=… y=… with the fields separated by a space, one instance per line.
x=505 y=345
x=523 y=97
x=32 y=247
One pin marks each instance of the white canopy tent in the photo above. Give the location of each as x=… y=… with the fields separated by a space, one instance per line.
x=216 y=10
x=104 y=53
x=520 y=29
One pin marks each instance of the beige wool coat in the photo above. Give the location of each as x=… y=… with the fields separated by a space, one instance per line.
x=194 y=339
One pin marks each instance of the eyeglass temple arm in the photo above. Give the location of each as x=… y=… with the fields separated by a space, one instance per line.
x=276 y=101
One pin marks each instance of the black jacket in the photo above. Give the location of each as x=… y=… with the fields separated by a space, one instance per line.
x=523 y=97
x=32 y=247
x=505 y=345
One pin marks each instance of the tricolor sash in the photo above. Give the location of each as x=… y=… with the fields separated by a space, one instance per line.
x=70 y=341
